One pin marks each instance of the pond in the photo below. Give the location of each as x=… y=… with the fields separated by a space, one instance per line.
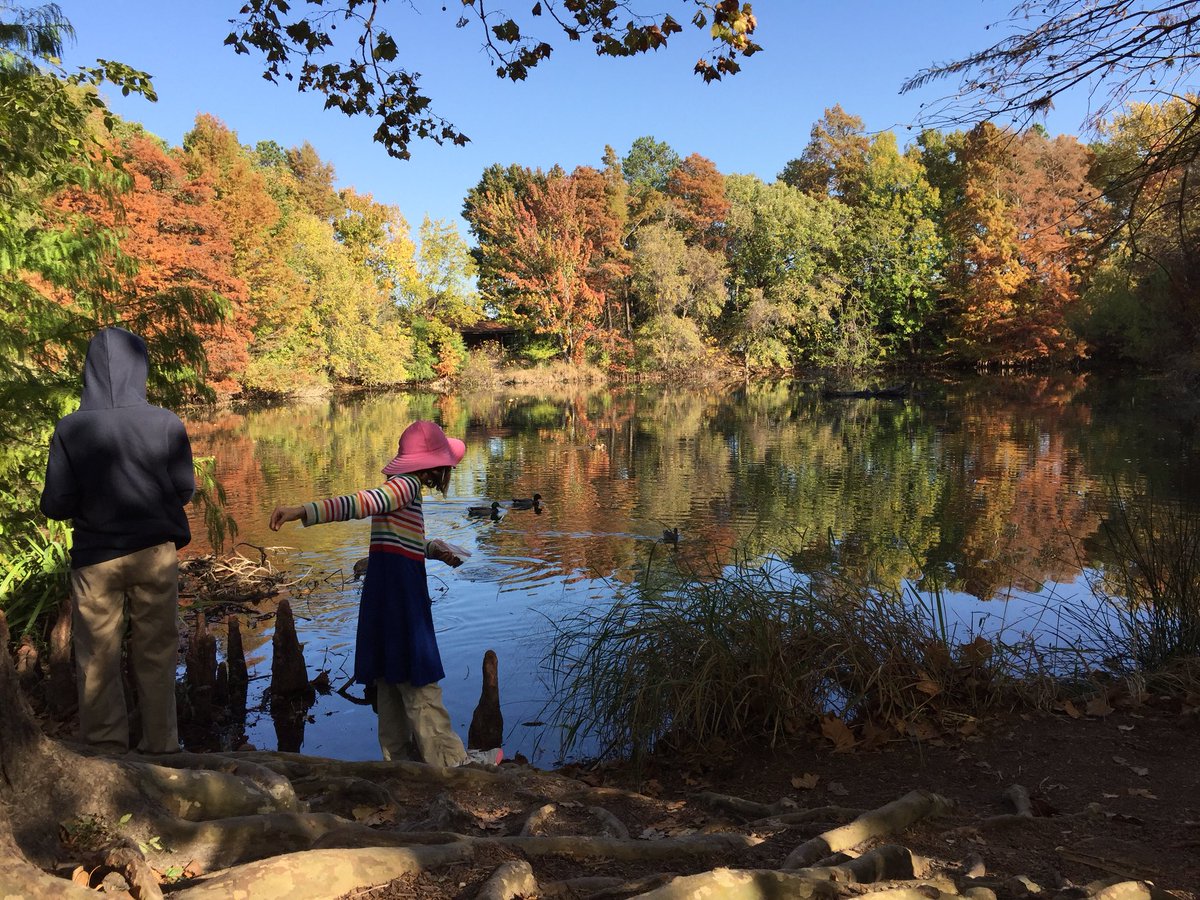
x=994 y=489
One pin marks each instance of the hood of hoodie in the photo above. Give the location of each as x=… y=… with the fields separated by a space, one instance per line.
x=114 y=373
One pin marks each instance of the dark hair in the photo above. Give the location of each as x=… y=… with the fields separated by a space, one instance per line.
x=435 y=478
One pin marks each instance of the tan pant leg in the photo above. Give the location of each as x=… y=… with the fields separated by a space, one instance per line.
x=152 y=576
x=395 y=739
x=98 y=620
x=437 y=742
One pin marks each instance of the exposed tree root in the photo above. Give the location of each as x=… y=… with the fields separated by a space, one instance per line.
x=747 y=809
x=512 y=879
x=730 y=884
x=889 y=819
x=891 y=862
x=322 y=874
x=836 y=814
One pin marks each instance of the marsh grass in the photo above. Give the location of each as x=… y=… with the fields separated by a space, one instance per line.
x=1148 y=611
x=758 y=651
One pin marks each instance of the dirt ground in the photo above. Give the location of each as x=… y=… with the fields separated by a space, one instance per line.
x=1116 y=794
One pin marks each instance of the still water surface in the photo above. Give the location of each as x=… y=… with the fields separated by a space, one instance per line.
x=995 y=489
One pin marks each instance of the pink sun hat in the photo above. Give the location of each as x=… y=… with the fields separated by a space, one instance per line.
x=425 y=446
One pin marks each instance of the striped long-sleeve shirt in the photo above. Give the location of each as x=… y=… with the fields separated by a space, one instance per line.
x=397 y=522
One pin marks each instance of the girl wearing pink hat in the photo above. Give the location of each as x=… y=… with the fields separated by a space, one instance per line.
x=396 y=650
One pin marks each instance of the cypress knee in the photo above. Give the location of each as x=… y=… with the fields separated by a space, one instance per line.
x=487 y=724
x=235 y=661
x=289 y=676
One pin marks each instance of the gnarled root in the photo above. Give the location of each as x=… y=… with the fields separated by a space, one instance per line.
x=320 y=874
x=227 y=842
x=512 y=879
x=747 y=884
x=893 y=817
x=891 y=862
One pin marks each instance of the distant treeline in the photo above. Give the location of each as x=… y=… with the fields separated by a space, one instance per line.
x=986 y=247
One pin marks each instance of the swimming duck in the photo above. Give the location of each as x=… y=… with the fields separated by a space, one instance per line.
x=526 y=502
x=670 y=535
x=360 y=568
x=493 y=510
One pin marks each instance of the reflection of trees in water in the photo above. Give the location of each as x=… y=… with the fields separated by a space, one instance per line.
x=980 y=485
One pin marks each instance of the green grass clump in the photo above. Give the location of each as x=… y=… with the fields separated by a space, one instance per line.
x=757 y=651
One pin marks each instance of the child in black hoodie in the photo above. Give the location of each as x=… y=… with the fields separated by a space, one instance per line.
x=121 y=470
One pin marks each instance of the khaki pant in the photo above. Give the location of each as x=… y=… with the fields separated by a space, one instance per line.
x=147 y=584
x=414 y=724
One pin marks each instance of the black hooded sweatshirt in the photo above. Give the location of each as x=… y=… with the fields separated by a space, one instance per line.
x=119 y=467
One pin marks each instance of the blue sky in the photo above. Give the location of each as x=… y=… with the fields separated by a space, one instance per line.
x=816 y=53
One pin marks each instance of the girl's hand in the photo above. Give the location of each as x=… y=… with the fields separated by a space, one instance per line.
x=283 y=514
x=438 y=550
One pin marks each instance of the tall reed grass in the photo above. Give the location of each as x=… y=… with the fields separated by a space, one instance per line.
x=1148 y=615
x=757 y=651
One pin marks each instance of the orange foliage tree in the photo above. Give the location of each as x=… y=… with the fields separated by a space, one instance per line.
x=548 y=253
x=696 y=190
x=1024 y=231
x=169 y=227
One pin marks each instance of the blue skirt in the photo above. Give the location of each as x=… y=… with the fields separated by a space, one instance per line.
x=396 y=641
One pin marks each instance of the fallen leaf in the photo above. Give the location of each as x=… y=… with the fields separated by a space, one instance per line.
x=1070 y=709
x=653 y=834
x=1140 y=770
x=978 y=651
x=874 y=736
x=839 y=733
x=969 y=728
x=1098 y=706
x=676 y=804
x=805 y=782
x=928 y=686
x=653 y=788
x=81 y=876
x=1110 y=796
x=1120 y=760
x=1124 y=728
x=1140 y=792
x=837 y=789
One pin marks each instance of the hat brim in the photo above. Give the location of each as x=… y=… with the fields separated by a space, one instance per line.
x=451 y=455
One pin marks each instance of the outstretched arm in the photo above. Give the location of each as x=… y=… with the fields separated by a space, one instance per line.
x=396 y=493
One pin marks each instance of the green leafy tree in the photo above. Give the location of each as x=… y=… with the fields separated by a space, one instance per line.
x=786 y=293
x=649 y=164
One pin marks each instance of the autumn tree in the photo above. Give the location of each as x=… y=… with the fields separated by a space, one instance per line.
x=250 y=215
x=314 y=181
x=439 y=298
x=543 y=249
x=171 y=230
x=892 y=261
x=832 y=162
x=682 y=288
x=1025 y=228
x=696 y=191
